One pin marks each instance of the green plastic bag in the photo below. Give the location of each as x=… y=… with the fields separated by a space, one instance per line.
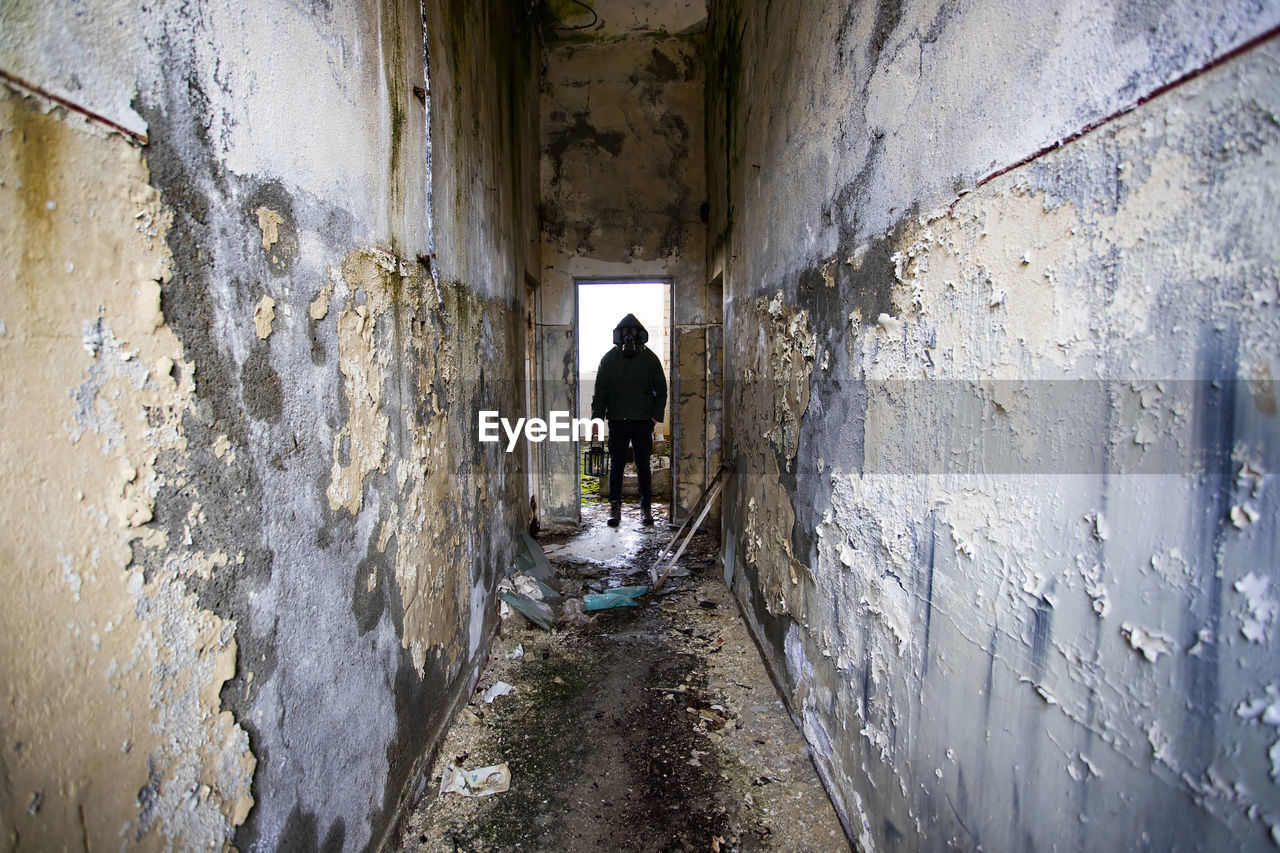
x=622 y=596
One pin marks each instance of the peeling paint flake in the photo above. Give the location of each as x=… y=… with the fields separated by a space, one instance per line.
x=359 y=448
x=1265 y=709
x=891 y=326
x=320 y=307
x=1250 y=477
x=269 y=222
x=1096 y=590
x=1242 y=515
x=263 y=316
x=1149 y=644
x=1043 y=692
x=1261 y=607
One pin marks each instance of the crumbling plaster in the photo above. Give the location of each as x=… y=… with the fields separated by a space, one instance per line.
x=1003 y=518
x=242 y=396
x=622 y=197
x=111 y=678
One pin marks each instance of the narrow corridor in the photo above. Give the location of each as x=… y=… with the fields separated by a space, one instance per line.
x=980 y=301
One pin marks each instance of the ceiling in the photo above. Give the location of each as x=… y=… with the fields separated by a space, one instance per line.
x=622 y=17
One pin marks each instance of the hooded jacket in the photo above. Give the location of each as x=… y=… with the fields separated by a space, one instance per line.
x=629 y=388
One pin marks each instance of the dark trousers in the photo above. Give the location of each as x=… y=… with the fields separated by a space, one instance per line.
x=639 y=435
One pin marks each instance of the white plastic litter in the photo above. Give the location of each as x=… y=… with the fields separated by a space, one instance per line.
x=499 y=689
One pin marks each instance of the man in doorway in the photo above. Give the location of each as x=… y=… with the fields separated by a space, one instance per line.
x=631 y=394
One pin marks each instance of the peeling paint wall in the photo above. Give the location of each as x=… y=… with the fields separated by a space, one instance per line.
x=1004 y=519
x=622 y=196
x=111 y=674
x=251 y=540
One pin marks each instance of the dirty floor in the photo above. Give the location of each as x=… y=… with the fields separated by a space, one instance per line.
x=653 y=728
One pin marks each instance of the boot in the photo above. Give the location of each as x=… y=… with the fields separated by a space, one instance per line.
x=646 y=514
x=615 y=513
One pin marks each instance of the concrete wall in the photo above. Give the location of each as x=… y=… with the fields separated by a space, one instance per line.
x=249 y=540
x=622 y=193
x=1005 y=421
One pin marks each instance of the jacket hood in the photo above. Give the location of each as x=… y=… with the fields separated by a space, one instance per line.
x=630 y=320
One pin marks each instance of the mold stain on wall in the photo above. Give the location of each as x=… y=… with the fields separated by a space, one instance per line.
x=767 y=399
x=115 y=728
x=428 y=523
x=269 y=492
x=1001 y=569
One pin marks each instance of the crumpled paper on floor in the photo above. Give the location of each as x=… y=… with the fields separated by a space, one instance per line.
x=480 y=782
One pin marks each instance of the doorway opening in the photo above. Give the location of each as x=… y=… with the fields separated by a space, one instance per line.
x=533 y=472
x=601 y=304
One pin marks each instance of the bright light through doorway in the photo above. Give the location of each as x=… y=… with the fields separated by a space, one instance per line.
x=600 y=306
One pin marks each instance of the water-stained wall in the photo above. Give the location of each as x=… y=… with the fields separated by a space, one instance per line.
x=623 y=190
x=250 y=540
x=1003 y=410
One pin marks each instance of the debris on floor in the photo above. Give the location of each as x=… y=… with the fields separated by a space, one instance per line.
x=475 y=783
x=531 y=587
x=537 y=612
x=499 y=689
x=538 y=564
x=651 y=727
x=575 y=613
x=619 y=596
